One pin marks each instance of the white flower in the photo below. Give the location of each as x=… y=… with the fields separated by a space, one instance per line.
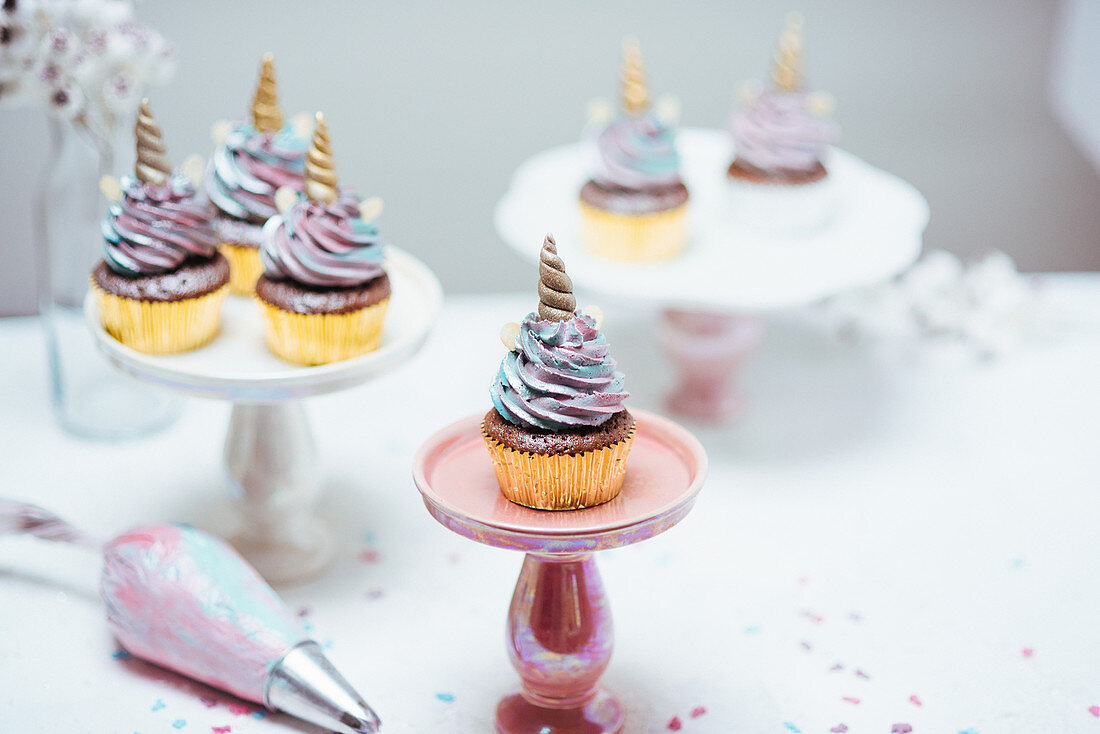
x=66 y=101
x=122 y=93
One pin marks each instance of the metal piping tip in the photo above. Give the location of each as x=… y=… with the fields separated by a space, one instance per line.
x=305 y=684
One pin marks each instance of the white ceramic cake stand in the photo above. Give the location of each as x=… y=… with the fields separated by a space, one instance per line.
x=714 y=292
x=270 y=455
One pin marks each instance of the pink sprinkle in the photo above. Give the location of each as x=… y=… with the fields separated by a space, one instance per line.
x=803 y=580
x=1095 y=711
x=849 y=699
x=1027 y=652
x=901 y=729
x=454 y=558
x=855 y=617
x=220 y=729
x=675 y=724
x=861 y=674
x=208 y=702
x=836 y=666
x=806 y=645
x=375 y=593
x=839 y=729
x=370 y=556
x=303 y=612
x=915 y=700
x=698 y=711
x=238 y=709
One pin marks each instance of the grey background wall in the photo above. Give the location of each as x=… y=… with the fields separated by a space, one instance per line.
x=432 y=104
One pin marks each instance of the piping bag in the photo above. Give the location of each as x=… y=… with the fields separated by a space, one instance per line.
x=184 y=600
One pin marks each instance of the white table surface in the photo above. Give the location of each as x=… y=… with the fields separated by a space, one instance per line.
x=883 y=540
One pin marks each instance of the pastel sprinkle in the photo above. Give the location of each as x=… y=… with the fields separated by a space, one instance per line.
x=806 y=646
x=861 y=674
x=307 y=626
x=915 y=700
x=303 y=612
x=968 y=731
x=221 y=729
x=454 y=558
x=370 y=556
x=259 y=714
x=445 y=697
x=791 y=727
x=855 y=617
x=752 y=630
x=1095 y=711
x=179 y=723
x=375 y=594
x=120 y=655
x=836 y=666
x=901 y=729
x=208 y=702
x=675 y=724
x=839 y=729
x=369 y=536
x=1017 y=563
x=815 y=618
x=327 y=644
x=698 y=711
x=238 y=709
x=1027 y=652
x=851 y=700
x=158 y=705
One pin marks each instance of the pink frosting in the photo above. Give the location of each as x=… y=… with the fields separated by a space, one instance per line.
x=779 y=133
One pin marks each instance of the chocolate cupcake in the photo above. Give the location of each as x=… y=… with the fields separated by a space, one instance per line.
x=635 y=205
x=781 y=136
x=250 y=163
x=161 y=284
x=558 y=434
x=324 y=291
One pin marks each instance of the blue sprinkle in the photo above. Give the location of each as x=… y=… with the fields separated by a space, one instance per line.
x=752 y=630
x=1016 y=563
x=258 y=714
x=120 y=655
x=791 y=727
x=158 y=705
x=327 y=644
x=968 y=731
x=179 y=723
x=445 y=697
x=307 y=626
x=369 y=536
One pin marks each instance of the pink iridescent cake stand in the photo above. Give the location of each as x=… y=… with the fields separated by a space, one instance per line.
x=714 y=294
x=559 y=623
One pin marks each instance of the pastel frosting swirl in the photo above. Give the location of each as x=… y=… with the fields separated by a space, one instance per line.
x=637 y=152
x=246 y=171
x=324 y=245
x=560 y=376
x=154 y=228
x=778 y=132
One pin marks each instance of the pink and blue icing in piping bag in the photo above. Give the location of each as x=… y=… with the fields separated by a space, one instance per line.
x=186 y=601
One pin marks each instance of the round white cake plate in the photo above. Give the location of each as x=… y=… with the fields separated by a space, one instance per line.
x=270 y=455
x=732 y=271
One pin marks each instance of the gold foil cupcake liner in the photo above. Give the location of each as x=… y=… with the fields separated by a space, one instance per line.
x=560 y=481
x=245 y=267
x=636 y=237
x=161 y=327
x=312 y=339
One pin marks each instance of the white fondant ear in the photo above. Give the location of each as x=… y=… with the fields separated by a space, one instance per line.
x=370 y=209
x=599 y=111
x=193 y=167
x=111 y=188
x=821 y=103
x=508 y=334
x=285 y=197
x=596 y=313
x=302 y=124
x=220 y=130
x=668 y=110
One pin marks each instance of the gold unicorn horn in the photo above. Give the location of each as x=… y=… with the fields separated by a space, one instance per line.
x=320 y=170
x=152 y=166
x=635 y=91
x=266 y=116
x=788 y=57
x=556 y=300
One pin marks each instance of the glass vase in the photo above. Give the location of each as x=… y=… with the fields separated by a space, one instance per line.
x=90 y=398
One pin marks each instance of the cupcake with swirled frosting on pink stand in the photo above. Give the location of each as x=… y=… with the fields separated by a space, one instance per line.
x=779 y=177
x=324 y=291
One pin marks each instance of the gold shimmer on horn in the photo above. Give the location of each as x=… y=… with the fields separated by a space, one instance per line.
x=635 y=91
x=788 y=58
x=320 y=169
x=556 y=301
x=266 y=116
x=152 y=166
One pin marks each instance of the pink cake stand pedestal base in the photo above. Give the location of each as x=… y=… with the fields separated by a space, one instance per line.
x=708 y=350
x=559 y=624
